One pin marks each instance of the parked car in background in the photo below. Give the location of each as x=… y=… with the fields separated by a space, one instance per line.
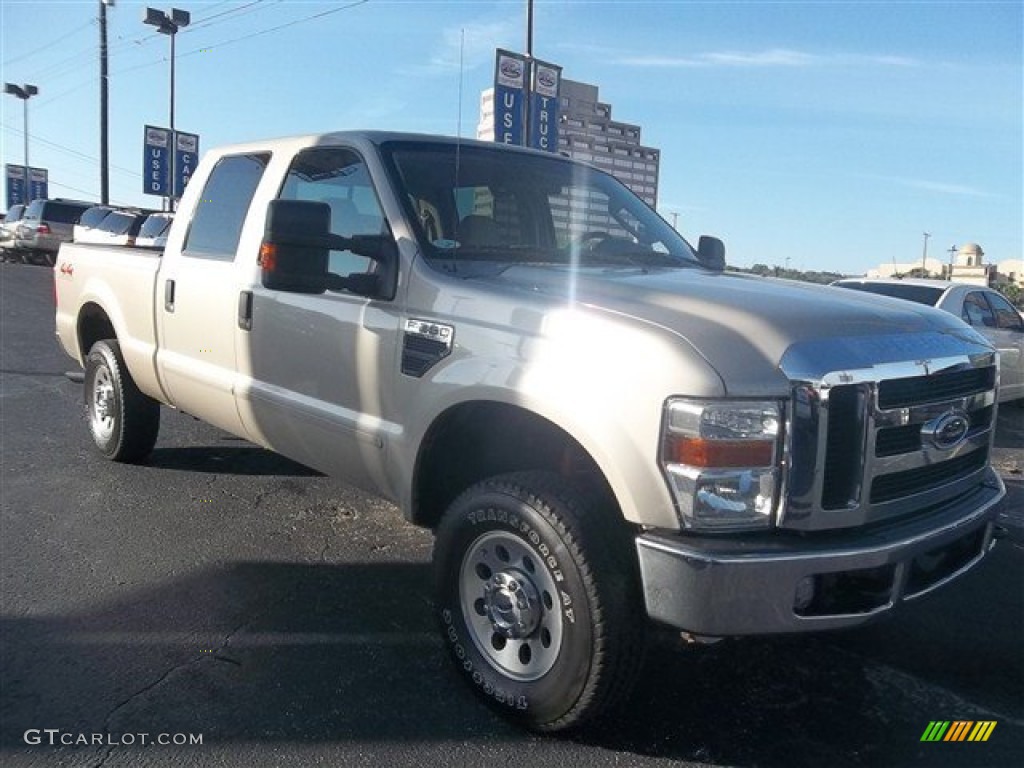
x=47 y=224
x=154 y=230
x=91 y=219
x=118 y=228
x=985 y=310
x=10 y=223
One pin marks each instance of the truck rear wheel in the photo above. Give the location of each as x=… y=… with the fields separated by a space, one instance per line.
x=124 y=422
x=538 y=600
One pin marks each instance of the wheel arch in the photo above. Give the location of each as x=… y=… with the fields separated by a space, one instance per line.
x=94 y=324
x=475 y=440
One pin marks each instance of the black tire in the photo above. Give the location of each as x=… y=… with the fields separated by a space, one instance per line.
x=528 y=537
x=124 y=422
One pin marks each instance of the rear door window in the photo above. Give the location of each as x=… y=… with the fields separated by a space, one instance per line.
x=63 y=213
x=216 y=225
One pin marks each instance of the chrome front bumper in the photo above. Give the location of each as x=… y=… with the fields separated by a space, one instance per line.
x=790 y=582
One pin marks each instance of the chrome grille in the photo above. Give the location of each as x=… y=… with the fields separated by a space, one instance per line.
x=863 y=444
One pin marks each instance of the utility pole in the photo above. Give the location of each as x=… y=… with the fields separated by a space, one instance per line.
x=952 y=256
x=529 y=72
x=104 y=133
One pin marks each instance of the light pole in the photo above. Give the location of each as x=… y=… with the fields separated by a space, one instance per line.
x=924 y=255
x=24 y=92
x=169 y=25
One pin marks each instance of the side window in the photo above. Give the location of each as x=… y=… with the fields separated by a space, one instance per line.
x=338 y=177
x=217 y=223
x=1006 y=315
x=977 y=311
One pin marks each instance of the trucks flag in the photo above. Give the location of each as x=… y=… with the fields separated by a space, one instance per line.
x=544 y=106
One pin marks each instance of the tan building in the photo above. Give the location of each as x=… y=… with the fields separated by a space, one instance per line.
x=967 y=266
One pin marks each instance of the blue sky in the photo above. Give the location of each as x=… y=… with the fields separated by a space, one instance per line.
x=829 y=134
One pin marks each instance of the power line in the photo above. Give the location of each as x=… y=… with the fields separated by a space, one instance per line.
x=70 y=63
x=42 y=48
x=320 y=15
x=68 y=150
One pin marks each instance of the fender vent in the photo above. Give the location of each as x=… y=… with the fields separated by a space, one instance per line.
x=424 y=344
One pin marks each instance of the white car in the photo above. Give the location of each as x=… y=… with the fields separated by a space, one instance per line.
x=117 y=228
x=154 y=230
x=986 y=310
x=90 y=220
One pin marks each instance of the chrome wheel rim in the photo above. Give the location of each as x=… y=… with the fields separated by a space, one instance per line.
x=102 y=405
x=511 y=604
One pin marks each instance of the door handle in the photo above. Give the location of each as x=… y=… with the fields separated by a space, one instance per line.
x=245 y=310
x=169 y=296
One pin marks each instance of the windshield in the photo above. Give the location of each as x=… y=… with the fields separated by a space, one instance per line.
x=480 y=208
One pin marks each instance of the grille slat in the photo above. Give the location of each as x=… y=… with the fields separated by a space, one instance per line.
x=911 y=481
x=900 y=393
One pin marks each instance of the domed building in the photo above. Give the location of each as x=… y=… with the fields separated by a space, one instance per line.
x=970 y=267
x=966 y=265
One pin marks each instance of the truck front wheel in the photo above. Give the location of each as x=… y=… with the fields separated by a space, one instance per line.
x=123 y=421
x=537 y=597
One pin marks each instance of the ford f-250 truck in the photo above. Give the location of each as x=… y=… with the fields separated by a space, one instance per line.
x=600 y=424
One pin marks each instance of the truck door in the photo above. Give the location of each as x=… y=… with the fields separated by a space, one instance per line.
x=197 y=296
x=318 y=367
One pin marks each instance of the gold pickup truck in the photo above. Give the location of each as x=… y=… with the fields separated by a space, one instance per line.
x=602 y=426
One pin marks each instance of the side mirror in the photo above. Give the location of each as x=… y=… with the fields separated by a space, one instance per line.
x=711 y=253
x=295 y=247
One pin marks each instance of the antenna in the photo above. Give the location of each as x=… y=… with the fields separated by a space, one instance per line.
x=458 y=148
x=462 y=50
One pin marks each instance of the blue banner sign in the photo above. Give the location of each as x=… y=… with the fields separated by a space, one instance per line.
x=39 y=184
x=156 y=170
x=15 y=185
x=186 y=156
x=509 y=97
x=39 y=189
x=544 y=106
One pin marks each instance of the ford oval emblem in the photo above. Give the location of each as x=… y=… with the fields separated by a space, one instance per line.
x=511 y=69
x=947 y=431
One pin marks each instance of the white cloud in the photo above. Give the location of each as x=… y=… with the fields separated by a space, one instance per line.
x=773 y=57
x=943 y=188
x=472 y=43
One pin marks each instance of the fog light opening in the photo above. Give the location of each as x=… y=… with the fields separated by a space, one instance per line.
x=805 y=589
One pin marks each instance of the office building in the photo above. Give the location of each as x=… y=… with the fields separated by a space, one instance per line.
x=587 y=132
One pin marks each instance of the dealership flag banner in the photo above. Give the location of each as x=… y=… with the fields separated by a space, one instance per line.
x=509 y=97
x=186 y=148
x=544 y=106
x=39 y=184
x=156 y=172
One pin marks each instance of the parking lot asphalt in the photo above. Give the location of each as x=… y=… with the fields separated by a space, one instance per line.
x=283 y=617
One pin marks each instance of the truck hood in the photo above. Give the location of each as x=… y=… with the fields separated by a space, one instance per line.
x=751 y=329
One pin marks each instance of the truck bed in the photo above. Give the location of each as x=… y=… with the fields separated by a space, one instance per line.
x=122 y=280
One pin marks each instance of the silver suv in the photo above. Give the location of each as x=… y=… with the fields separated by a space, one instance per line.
x=7 y=227
x=45 y=225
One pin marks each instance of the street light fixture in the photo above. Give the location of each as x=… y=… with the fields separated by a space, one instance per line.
x=24 y=92
x=169 y=25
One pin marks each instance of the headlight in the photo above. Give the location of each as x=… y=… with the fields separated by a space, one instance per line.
x=721 y=460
